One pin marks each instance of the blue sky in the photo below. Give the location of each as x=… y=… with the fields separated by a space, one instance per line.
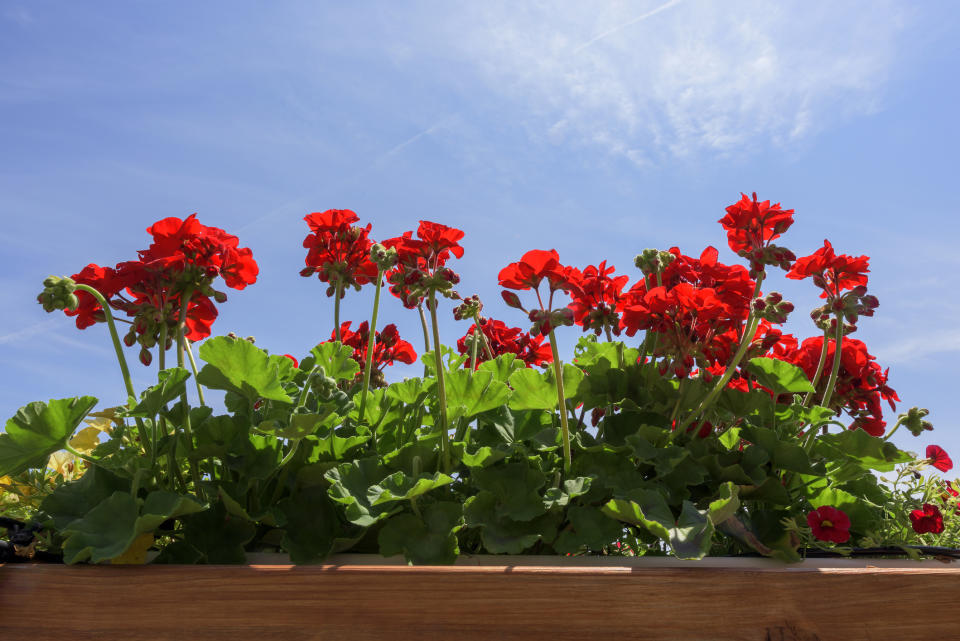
x=598 y=129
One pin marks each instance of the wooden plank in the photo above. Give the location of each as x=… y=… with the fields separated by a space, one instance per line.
x=294 y=603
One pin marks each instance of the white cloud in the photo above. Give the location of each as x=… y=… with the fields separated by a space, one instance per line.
x=648 y=79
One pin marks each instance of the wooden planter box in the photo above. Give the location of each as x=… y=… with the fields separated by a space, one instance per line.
x=356 y=597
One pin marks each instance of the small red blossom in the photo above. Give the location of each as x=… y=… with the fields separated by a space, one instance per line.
x=338 y=252
x=388 y=348
x=939 y=458
x=532 y=350
x=829 y=524
x=752 y=225
x=830 y=272
x=529 y=272
x=595 y=303
x=421 y=262
x=928 y=520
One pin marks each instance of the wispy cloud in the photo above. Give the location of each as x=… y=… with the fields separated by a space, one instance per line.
x=683 y=77
x=916 y=347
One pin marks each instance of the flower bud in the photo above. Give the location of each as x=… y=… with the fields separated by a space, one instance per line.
x=145 y=356
x=512 y=300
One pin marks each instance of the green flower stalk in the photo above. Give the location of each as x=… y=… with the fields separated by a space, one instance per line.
x=441 y=385
x=561 y=403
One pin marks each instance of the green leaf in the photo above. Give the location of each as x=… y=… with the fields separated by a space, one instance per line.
x=483 y=456
x=217 y=535
x=400 y=487
x=726 y=503
x=349 y=486
x=689 y=536
x=71 y=501
x=589 y=528
x=785 y=455
x=502 y=366
x=220 y=435
x=335 y=359
x=431 y=539
x=300 y=425
x=779 y=376
x=410 y=391
x=38 y=430
x=241 y=367
x=107 y=530
x=310 y=525
x=471 y=393
x=515 y=489
x=501 y=535
x=572 y=488
x=730 y=438
x=870 y=451
x=532 y=391
x=172 y=384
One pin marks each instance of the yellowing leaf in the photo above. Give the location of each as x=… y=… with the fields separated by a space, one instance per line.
x=136 y=554
x=105 y=420
x=8 y=485
x=64 y=464
x=86 y=440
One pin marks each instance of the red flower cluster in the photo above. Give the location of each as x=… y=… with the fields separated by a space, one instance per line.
x=697 y=312
x=338 y=251
x=388 y=348
x=595 y=302
x=928 y=520
x=861 y=383
x=185 y=256
x=532 y=350
x=421 y=266
x=829 y=524
x=528 y=273
x=751 y=225
x=831 y=273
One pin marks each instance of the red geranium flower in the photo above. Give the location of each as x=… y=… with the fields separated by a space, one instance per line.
x=927 y=520
x=595 y=303
x=388 y=348
x=751 y=225
x=829 y=524
x=939 y=458
x=830 y=272
x=337 y=251
x=421 y=262
x=532 y=350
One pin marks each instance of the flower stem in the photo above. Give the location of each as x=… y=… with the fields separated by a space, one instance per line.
x=561 y=402
x=441 y=387
x=187 y=429
x=750 y=328
x=193 y=366
x=336 y=311
x=79 y=455
x=117 y=345
x=370 y=344
x=426 y=334
x=820 y=365
x=483 y=338
x=835 y=370
x=473 y=350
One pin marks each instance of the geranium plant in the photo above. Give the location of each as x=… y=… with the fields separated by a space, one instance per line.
x=685 y=421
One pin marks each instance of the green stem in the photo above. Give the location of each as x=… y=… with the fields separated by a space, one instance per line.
x=426 y=334
x=750 y=328
x=370 y=344
x=336 y=311
x=441 y=386
x=193 y=366
x=78 y=454
x=187 y=428
x=820 y=366
x=473 y=350
x=118 y=348
x=561 y=402
x=676 y=406
x=117 y=344
x=895 y=428
x=835 y=370
x=483 y=339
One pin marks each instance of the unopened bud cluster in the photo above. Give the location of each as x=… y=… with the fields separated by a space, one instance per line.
x=470 y=308
x=545 y=320
x=773 y=308
x=653 y=261
x=913 y=421
x=759 y=257
x=382 y=257
x=58 y=293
